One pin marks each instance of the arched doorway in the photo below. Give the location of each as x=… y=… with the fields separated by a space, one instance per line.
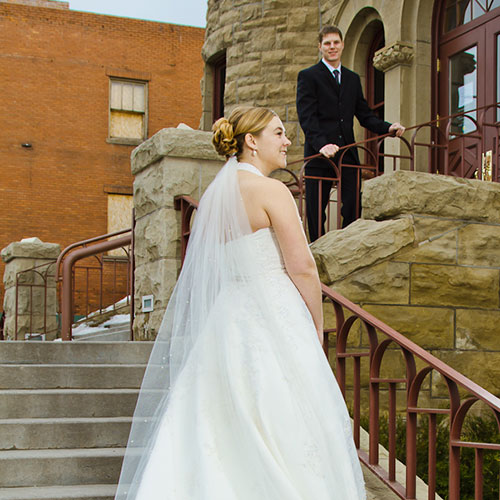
x=375 y=90
x=467 y=76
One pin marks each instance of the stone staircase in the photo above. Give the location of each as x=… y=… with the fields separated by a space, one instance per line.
x=65 y=414
x=118 y=332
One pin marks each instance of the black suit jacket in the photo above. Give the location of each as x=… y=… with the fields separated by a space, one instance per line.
x=326 y=112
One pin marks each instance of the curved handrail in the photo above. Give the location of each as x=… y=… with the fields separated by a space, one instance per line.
x=414 y=379
x=465 y=150
x=456 y=383
x=434 y=124
x=84 y=243
x=67 y=282
x=418 y=351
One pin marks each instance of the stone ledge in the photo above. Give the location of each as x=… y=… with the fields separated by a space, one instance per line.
x=405 y=192
x=173 y=142
x=398 y=53
x=31 y=248
x=361 y=244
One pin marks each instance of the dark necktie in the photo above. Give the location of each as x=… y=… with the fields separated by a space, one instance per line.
x=336 y=75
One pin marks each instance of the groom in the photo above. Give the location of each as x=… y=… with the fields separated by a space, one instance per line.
x=328 y=97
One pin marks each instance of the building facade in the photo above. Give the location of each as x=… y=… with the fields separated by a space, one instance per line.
x=418 y=59
x=79 y=92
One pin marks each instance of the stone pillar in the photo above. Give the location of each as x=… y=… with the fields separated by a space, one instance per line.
x=36 y=291
x=172 y=162
x=395 y=60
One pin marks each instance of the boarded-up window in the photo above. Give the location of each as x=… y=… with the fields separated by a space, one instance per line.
x=119 y=216
x=128 y=110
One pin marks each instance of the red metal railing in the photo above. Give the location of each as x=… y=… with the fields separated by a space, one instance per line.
x=186 y=205
x=413 y=382
x=462 y=392
x=94 y=248
x=448 y=152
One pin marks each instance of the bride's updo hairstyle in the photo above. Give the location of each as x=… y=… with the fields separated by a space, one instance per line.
x=229 y=133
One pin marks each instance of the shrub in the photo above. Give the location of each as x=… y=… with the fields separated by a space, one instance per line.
x=475 y=429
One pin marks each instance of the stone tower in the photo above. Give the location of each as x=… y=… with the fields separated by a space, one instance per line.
x=265 y=44
x=262 y=45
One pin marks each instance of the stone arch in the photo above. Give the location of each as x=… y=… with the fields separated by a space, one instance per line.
x=416 y=20
x=359 y=37
x=351 y=13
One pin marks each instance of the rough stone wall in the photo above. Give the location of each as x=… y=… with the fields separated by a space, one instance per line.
x=426 y=261
x=171 y=163
x=267 y=43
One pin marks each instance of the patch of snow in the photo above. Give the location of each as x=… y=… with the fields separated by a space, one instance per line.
x=85 y=329
x=33 y=239
x=121 y=302
x=117 y=319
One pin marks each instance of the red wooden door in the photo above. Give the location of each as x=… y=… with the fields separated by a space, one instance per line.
x=469 y=79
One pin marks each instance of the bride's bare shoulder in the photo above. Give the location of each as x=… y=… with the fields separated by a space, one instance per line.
x=259 y=183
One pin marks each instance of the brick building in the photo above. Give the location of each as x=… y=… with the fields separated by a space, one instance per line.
x=78 y=92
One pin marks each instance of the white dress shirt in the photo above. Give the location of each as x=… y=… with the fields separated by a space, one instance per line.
x=332 y=69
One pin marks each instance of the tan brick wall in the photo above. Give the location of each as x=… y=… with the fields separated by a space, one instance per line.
x=54 y=68
x=440 y=288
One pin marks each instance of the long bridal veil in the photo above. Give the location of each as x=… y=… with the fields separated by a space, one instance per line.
x=266 y=396
x=210 y=261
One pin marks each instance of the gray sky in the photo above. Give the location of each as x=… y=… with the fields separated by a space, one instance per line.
x=187 y=12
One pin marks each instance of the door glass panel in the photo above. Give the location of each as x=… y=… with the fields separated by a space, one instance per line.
x=458 y=12
x=463 y=89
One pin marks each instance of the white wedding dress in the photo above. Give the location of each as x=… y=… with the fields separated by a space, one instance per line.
x=255 y=413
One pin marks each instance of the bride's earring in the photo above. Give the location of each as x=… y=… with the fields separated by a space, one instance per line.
x=254 y=152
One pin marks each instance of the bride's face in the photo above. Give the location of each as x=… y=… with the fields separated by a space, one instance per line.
x=271 y=145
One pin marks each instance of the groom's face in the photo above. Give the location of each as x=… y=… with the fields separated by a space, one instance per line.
x=331 y=48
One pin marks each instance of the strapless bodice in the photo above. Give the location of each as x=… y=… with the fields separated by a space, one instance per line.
x=264 y=249
x=267 y=250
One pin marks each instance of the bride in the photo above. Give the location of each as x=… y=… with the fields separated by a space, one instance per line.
x=238 y=401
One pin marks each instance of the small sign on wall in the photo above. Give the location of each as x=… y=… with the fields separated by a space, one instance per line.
x=147 y=303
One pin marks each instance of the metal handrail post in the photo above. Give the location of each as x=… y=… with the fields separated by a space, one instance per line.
x=68 y=263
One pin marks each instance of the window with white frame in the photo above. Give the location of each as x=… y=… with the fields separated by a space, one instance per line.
x=127 y=111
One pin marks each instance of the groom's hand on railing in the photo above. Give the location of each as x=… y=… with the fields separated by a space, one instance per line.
x=329 y=150
x=397 y=129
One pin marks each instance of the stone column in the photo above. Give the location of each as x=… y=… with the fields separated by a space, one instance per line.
x=36 y=290
x=172 y=162
x=395 y=60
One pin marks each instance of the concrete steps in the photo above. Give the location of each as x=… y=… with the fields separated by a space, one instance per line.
x=56 y=376
x=46 y=403
x=76 y=492
x=77 y=432
x=116 y=333
x=65 y=413
x=60 y=467
x=20 y=352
